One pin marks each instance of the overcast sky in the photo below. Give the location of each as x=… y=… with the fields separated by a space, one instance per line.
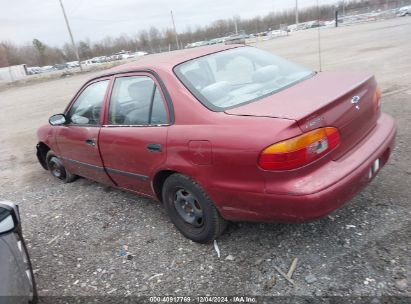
x=23 y=20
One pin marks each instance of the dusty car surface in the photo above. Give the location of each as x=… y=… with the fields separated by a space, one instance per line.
x=223 y=133
x=17 y=283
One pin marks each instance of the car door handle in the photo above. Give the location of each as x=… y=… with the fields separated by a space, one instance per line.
x=154 y=147
x=90 y=142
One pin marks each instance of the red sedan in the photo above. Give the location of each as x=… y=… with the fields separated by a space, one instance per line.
x=223 y=133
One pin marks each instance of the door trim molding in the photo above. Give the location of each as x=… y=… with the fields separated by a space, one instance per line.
x=109 y=170
x=128 y=174
x=98 y=168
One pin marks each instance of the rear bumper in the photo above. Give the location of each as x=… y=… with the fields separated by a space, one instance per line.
x=344 y=178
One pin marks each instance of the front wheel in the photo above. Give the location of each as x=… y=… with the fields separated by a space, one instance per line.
x=57 y=169
x=191 y=210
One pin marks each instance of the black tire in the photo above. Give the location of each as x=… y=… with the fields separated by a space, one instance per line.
x=191 y=210
x=57 y=169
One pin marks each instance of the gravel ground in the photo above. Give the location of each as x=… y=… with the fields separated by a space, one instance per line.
x=87 y=239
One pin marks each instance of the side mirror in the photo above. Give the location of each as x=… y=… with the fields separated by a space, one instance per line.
x=57 y=120
x=9 y=217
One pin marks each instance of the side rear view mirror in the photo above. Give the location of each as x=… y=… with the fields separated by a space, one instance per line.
x=9 y=217
x=57 y=120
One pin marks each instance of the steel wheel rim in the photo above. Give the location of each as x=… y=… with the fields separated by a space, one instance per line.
x=188 y=208
x=56 y=168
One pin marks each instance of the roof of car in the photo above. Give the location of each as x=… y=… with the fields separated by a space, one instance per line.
x=168 y=59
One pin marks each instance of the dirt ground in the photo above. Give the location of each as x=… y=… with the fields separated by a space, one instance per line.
x=76 y=232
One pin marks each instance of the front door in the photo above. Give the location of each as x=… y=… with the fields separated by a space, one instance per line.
x=133 y=139
x=77 y=141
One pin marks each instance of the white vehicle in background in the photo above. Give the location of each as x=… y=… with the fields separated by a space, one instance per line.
x=33 y=70
x=125 y=56
x=87 y=62
x=140 y=53
x=72 y=64
x=404 y=11
x=47 y=68
x=330 y=23
x=277 y=33
x=196 y=44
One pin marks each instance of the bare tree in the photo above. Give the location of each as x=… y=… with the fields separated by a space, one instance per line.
x=155 y=40
x=41 y=49
x=4 y=61
x=144 y=40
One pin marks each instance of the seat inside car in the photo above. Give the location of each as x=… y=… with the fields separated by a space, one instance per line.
x=197 y=79
x=140 y=93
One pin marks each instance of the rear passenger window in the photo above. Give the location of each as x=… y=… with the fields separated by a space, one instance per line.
x=159 y=113
x=136 y=100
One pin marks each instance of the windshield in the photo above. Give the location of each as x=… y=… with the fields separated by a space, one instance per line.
x=237 y=76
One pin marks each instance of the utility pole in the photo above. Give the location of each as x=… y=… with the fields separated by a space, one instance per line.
x=235 y=25
x=296 y=13
x=319 y=37
x=175 y=30
x=343 y=7
x=71 y=36
x=336 y=17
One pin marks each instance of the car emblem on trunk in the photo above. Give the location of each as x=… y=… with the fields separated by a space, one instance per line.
x=355 y=101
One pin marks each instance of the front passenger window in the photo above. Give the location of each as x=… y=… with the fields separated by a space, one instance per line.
x=86 y=109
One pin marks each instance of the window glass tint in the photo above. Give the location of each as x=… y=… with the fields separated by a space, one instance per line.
x=4 y=213
x=230 y=78
x=159 y=114
x=136 y=100
x=87 y=108
x=237 y=71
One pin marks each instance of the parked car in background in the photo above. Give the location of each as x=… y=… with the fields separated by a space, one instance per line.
x=217 y=40
x=17 y=283
x=47 y=68
x=223 y=133
x=404 y=11
x=137 y=54
x=72 y=64
x=60 y=66
x=236 y=39
x=33 y=70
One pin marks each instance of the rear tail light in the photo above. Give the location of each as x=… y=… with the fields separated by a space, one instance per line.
x=377 y=99
x=299 y=151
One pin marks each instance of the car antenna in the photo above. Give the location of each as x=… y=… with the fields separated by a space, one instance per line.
x=319 y=36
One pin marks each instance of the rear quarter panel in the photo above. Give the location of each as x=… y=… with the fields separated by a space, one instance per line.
x=235 y=144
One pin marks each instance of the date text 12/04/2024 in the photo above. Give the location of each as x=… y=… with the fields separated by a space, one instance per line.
x=203 y=299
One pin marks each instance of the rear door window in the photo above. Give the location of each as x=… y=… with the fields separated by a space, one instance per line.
x=136 y=100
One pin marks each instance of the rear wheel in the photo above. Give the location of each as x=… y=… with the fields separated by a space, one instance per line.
x=57 y=168
x=191 y=210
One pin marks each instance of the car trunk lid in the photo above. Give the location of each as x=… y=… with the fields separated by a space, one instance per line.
x=342 y=100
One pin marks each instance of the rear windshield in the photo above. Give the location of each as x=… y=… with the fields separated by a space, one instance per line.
x=237 y=76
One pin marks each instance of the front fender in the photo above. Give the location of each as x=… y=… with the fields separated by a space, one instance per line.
x=46 y=141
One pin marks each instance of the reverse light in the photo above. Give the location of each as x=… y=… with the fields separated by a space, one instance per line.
x=299 y=151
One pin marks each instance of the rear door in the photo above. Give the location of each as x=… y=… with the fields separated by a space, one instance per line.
x=78 y=139
x=133 y=139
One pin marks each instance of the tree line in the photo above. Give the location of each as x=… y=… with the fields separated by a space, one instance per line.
x=153 y=40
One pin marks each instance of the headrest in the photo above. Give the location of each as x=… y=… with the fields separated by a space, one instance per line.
x=141 y=90
x=216 y=91
x=196 y=78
